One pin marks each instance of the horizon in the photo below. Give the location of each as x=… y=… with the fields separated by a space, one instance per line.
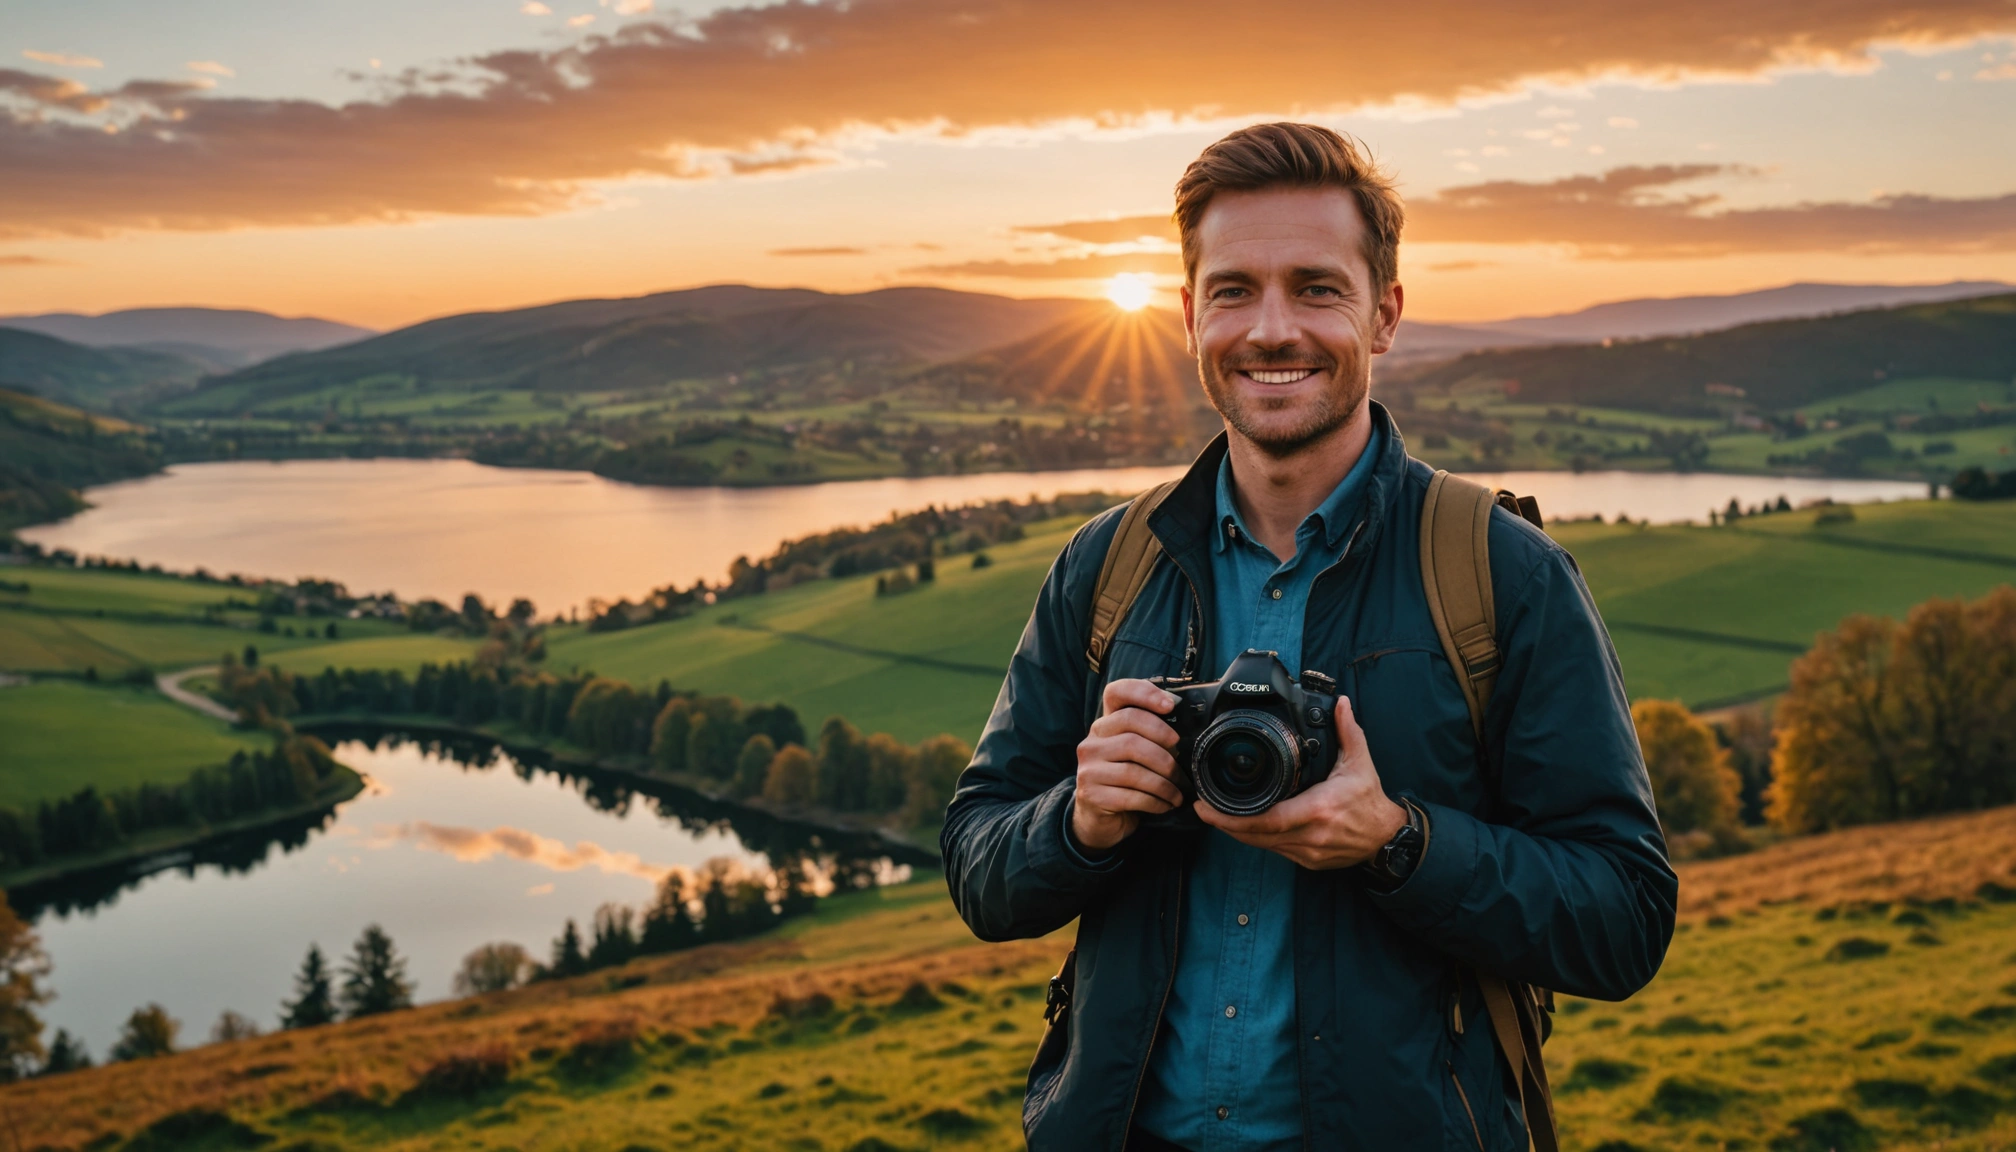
x=388 y=164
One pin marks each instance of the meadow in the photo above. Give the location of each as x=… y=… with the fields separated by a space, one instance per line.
x=1708 y=616
x=63 y=736
x=1816 y=996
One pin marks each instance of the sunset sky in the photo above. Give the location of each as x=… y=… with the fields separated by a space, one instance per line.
x=381 y=162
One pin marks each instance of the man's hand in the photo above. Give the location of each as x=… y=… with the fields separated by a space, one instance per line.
x=1126 y=765
x=1337 y=823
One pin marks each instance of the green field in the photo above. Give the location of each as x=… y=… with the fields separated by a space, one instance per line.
x=61 y=737
x=1704 y=615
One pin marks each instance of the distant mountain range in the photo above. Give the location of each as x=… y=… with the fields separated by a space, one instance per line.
x=217 y=339
x=98 y=378
x=1775 y=365
x=1684 y=315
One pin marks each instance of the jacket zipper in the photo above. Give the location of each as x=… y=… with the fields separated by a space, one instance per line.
x=1465 y=1098
x=1175 y=946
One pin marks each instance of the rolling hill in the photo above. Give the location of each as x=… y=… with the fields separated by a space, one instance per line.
x=1776 y=365
x=48 y=450
x=1682 y=315
x=97 y=378
x=648 y=342
x=220 y=339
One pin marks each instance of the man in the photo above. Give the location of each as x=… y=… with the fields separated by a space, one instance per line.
x=1276 y=981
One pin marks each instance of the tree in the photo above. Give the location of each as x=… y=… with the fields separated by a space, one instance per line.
x=752 y=765
x=716 y=737
x=374 y=978
x=492 y=968
x=934 y=775
x=843 y=766
x=568 y=959
x=23 y=967
x=314 y=998
x=615 y=939
x=668 y=923
x=1886 y=721
x=1692 y=782
x=148 y=1032
x=891 y=763
x=66 y=1054
x=232 y=1026
x=789 y=780
x=668 y=734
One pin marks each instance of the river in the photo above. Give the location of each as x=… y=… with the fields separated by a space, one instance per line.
x=445 y=855
x=441 y=528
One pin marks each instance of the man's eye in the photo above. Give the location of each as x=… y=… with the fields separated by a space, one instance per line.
x=1227 y=293
x=1323 y=290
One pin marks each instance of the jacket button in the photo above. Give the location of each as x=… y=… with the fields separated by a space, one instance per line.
x=1230 y=1011
x=1223 y=1112
x=1242 y=919
x=1276 y=593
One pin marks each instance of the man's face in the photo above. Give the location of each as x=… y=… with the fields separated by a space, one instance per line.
x=1283 y=316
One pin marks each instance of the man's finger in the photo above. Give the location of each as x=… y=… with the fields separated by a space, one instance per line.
x=1350 y=737
x=1138 y=720
x=1268 y=823
x=1106 y=798
x=1124 y=774
x=1136 y=694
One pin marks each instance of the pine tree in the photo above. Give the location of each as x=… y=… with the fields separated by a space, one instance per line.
x=314 y=999
x=148 y=1032
x=66 y=1054
x=374 y=978
x=568 y=959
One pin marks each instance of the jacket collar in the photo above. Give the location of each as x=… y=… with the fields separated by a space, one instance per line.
x=1187 y=520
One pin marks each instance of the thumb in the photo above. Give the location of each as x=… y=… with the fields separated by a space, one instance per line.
x=1351 y=749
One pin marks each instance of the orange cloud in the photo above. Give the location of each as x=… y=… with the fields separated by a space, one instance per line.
x=748 y=89
x=1621 y=215
x=471 y=846
x=1124 y=230
x=837 y=251
x=1090 y=266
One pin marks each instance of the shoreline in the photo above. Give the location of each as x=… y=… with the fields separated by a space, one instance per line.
x=153 y=852
x=632 y=771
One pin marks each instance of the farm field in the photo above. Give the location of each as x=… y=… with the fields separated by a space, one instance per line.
x=64 y=736
x=1703 y=615
x=1812 y=999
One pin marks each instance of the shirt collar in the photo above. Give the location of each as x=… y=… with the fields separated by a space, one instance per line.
x=1331 y=518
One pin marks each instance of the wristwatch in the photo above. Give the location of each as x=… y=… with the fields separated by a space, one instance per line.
x=1396 y=859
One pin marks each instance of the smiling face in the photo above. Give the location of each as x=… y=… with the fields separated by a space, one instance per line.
x=1284 y=316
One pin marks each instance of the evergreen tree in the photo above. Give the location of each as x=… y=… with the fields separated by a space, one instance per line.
x=374 y=978
x=668 y=923
x=752 y=766
x=314 y=998
x=66 y=1054
x=615 y=936
x=568 y=959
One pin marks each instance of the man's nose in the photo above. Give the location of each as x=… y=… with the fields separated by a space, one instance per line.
x=1274 y=325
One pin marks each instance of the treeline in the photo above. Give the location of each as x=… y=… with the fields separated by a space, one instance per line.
x=723 y=901
x=755 y=750
x=905 y=538
x=1981 y=484
x=296 y=770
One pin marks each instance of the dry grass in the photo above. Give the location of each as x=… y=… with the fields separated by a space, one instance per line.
x=1942 y=857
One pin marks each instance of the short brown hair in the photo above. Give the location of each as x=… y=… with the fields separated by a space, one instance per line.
x=1294 y=156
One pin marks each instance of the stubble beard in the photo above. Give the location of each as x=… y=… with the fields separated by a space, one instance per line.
x=1349 y=385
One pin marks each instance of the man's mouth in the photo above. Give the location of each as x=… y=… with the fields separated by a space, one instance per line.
x=1277 y=375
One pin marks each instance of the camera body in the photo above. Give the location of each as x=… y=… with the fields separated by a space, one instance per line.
x=1255 y=736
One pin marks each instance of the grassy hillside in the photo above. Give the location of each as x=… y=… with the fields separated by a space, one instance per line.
x=70 y=620
x=1778 y=365
x=101 y=378
x=62 y=737
x=49 y=450
x=879 y=1023
x=1698 y=614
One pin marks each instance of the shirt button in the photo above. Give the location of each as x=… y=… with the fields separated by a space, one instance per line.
x=1276 y=593
x=1230 y=1011
x=1223 y=1112
x=1242 y=919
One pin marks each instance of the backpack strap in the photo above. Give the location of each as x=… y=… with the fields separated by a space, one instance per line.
x=1456 y=575
x=1129 y=559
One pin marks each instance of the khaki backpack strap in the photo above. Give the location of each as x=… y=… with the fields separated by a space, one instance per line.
x=1456 y=575
x=1515 y=1021
x=1129 y=559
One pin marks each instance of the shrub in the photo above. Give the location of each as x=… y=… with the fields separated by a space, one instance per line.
x=1600 y=1074
x=1696 y=789
x=462 y=1075
x=601 y=1048
x=1680 y=1098
x=213 y=1128
x=1827 y=1130
x=1857 y=948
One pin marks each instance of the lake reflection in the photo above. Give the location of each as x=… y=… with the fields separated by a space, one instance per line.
x=446 y=855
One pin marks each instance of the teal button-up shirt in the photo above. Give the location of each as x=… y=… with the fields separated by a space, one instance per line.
x=1223 y=1075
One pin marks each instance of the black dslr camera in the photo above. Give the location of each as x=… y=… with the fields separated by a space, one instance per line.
x=1253 y=737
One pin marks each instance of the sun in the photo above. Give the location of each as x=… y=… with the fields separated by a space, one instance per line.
x=1130 y=291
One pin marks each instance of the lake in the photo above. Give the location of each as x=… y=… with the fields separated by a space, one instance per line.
x=445 y=855
x=441 y=528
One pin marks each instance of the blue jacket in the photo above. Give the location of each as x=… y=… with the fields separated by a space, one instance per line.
x=1545 y=865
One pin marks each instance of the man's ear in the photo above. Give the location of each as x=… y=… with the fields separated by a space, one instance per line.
x=1387 y=323
x=1189 y=320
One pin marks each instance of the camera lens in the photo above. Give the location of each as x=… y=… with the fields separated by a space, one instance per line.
x=1246 y=762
